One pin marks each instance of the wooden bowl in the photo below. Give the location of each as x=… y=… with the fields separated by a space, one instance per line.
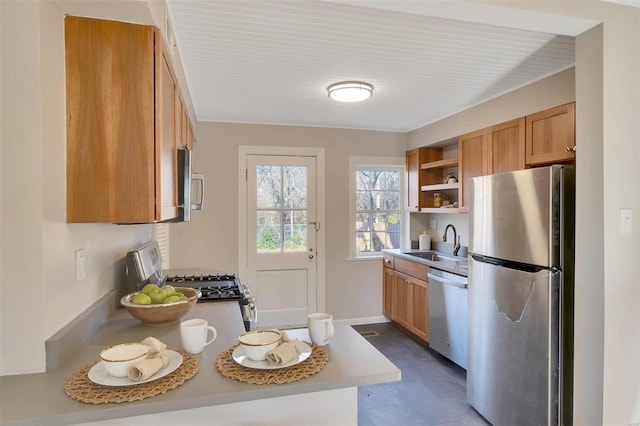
x=163 y=314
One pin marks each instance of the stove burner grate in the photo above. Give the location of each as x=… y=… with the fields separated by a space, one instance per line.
x=216 y=287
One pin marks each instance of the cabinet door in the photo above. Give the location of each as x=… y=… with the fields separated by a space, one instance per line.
x=110 y=121
x=420 y=309
x=506 y=146
x=473 y=154
x=413 y=180
x=185 y=132
x=550 y=135
x=387 y=292
x=402 y=300
x=190 y=137
x=166 y=135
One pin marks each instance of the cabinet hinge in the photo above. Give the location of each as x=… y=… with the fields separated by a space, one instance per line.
x=246 y=175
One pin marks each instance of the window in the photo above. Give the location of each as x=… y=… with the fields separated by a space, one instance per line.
x=377 y=200
x=281 y=209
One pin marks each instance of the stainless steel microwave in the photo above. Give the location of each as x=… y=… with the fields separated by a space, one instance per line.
x=190 y=187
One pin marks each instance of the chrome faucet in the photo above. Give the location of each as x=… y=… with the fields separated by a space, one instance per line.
x=456 y=239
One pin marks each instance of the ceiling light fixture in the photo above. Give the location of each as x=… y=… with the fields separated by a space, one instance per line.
x=350 y=91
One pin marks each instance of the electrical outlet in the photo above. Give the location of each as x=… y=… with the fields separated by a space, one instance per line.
x=434 y=224
x=625 y=221
x=80 y=265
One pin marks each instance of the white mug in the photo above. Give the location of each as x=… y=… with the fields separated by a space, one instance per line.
x=193 y=334
x=320 y=328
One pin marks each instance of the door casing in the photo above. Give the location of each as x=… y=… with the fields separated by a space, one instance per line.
x=318 y=153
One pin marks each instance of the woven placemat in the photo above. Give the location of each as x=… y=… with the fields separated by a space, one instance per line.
x=231 y=369
x=79 y=387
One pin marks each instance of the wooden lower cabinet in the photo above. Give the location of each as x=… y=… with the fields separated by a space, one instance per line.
x=420 y=309
x=406 y=297
x=401 y=312
x=388 y=278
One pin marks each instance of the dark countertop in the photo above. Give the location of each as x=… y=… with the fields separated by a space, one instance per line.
x=459 y=267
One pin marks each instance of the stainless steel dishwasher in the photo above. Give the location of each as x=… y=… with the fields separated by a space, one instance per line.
x=448 y=315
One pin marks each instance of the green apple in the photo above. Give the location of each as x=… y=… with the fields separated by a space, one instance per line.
x=149 y=288
x=171 y=299
x=169 y=289
x=180 y=296
x=158 y=295
x=141 y=299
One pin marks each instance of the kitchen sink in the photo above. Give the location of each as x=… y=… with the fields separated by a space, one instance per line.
x=436 y=257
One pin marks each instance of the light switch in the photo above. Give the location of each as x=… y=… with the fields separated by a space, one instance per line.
x=80 y=265
x=434 y=224
x=625 y=221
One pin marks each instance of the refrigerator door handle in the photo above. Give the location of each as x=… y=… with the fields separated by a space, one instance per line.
x=510 y=264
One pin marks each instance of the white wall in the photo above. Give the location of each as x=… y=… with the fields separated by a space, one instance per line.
x=39 y=293
x=353 y=288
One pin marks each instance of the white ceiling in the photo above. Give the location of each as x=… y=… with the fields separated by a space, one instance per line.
x=271 y=61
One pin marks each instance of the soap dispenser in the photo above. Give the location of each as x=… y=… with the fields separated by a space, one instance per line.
x=424 y=241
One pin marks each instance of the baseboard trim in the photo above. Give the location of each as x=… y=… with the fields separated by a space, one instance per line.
x=362 y=321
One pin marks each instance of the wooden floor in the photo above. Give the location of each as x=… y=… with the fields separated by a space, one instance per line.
x=432 y=390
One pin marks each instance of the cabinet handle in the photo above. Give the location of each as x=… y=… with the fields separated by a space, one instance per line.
x=387 y=261
x=573 y=149
x=567 y=149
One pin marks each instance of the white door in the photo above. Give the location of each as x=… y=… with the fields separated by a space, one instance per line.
x=281 y=238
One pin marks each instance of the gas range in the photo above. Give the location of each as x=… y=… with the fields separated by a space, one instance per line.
x=144 y=266
x=217 y=287
x=214 y=286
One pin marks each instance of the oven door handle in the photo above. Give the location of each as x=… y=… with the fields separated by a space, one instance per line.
x=253 y=312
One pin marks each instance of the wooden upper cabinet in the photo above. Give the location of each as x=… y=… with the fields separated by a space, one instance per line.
x=121 y=133
x=418 y=176
x=473 y=161
x=167 y=134
x=413 y=183
x=550 y=135
x=506 y=146
x=184 y=122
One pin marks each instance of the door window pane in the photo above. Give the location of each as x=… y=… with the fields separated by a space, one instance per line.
x=295 y=231
x=269 y=180
x=269 y=232
x=295 y=187
x=281 y=209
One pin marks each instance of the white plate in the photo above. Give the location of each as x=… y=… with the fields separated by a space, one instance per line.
x=98 y=374
x=304 y=352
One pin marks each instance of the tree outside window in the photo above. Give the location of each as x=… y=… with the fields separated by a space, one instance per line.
x=281 y=209
x=378 y=212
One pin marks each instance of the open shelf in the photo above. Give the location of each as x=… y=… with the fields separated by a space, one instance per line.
x=447 y=162
x=440 y=187
x=440 y=210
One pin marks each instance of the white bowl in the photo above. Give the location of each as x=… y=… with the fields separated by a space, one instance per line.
x=119 y=359
x=257 y=343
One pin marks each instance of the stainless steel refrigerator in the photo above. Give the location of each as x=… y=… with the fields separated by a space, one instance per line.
x=521 y=257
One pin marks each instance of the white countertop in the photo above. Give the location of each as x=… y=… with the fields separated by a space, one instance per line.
x=40 y=398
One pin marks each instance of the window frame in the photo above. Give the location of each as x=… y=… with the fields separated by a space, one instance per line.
x=378 y=163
